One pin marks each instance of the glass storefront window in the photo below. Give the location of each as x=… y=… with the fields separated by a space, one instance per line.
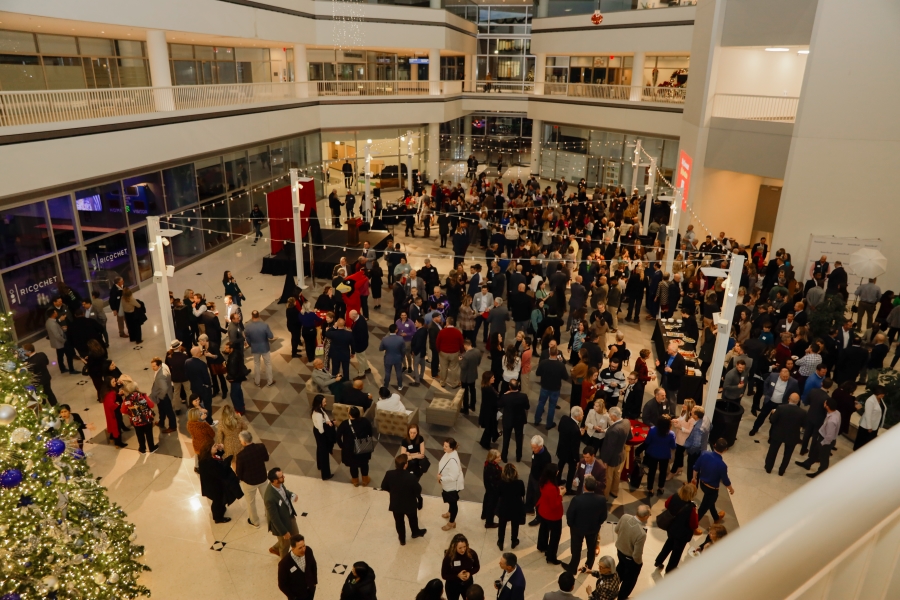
x=143 y=197
x=260 y=164
x=142 y=253
x=278 y=154
x=180 y=187
x=237 y=174
x=62 y=220
x=239 y=207
x=21 y=73
x=100 y=210
x=210 y=178
x=71 y=272
x=29 y=290
x=188 y=244
x=23 y=234
x=57 y=44
x=216 y=230
x=108 y=259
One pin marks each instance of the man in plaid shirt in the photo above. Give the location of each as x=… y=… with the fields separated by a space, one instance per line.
x=808 y=362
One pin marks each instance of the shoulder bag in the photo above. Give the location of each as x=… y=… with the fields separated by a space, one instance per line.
x=364 y=445
x=667 y=517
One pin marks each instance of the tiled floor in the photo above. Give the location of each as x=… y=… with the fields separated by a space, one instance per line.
x=160 y=492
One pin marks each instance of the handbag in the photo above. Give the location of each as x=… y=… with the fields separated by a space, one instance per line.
x=320 y=350
x=667 y=517
x=218 y=368
x=424 y=465
x=364 y=445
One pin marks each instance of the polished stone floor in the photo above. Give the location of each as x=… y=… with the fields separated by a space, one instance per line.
x=160 y=492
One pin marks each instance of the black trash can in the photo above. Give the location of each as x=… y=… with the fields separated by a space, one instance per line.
x=725 y=422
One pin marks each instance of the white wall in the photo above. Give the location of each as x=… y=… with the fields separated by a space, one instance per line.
x=846 y=136
x=729 y=204
x=769 y=22
x=755 y=147
x=662 y=124
x=755 y=72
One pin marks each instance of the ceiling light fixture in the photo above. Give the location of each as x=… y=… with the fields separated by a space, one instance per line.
x=776 y=49
x=802 y=51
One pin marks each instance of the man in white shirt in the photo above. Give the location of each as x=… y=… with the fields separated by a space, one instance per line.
x=845 y=335
x=823 y=443
x=481 y=304
x=389 y=402
x=232 y=309
x=872 y=419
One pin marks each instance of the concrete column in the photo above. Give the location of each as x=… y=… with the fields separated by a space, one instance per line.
x=413 y=72
x=540 y=73
x=434 y=151
x=160 y=75
x=637 y=76
x=469 y=83
x=537 y=128
x=467 y=140
x=436 y=4
x=301 y=71
x=434 y=70
x=543 y=8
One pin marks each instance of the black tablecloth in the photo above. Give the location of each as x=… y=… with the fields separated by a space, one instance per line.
x=691 y=385
x=393 y=215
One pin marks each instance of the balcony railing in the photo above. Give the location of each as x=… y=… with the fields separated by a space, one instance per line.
x=756 y=108
x=369 y=88
x=500 y=87
x=624 y=93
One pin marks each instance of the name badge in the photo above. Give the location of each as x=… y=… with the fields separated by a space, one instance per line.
x=293 y=569
x=411 y=446
x=280 y=502
x=509 y=584
x=457 y=563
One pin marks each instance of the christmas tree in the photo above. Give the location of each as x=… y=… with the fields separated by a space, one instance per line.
x=60 y=536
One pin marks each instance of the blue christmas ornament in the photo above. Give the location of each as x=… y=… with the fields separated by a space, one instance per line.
x=34 y=475
x=55 y=447
x=9 y=366
x=12 y=596
x=48 y=483
x=10 y=478
x=30 y=388
x=79 y=455
x=25 y=501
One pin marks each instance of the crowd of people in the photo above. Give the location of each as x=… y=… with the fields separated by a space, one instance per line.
x=545 y=276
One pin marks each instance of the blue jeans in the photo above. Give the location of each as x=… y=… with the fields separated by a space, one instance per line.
x=387 y=374
x=551 y=409
x=237 y=396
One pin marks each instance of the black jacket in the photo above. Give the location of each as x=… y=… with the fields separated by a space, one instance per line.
x=520 y=305
x=673 y=380
x=515 y=407
x=403 y=488
x=816 y=413
x=346 y=440
x=787 y=420
x=511 y=506
x=586 y=513
x=632 y=401
x=569 y=447
x=360 y=335
x=115 y=298
x=850 y=362
x=294 y=583
x=37 y=363
x=364 y=589
x=176 y=363
x=341 y=343
x=539 y=462
x=213 y=326
x=419 y=343
x=198 y=374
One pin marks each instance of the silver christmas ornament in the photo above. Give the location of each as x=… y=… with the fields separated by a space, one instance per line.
x=8 y=414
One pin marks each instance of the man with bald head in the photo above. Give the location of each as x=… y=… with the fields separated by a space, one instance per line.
x=521 y=305
x=787 y=420
x=198 y=374
x=577 y=298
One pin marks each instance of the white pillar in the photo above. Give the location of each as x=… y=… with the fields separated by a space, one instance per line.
x=160 y=278
x=537 y=127
x=160 y=75
x=409 y=154
x=367 y=202
x=434 y=70
x=637 y=76
x=467 y=136
x=543 y=8
x=650 y=190
x=413 y=72
x=635 y=167
x=298 y=229
x=434 y=151
x=469 y=83
x=436 y=4
x=301 y=71
x=672 y=232
x=540 y=73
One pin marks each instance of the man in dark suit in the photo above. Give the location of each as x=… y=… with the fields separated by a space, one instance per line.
x=201 y=384
x=800 y=316
x=577 y=298
x=433 y=330
x=850 y=362
x=37 y=363
x=280 y=512
x=404 y=490
x=540 y=458
x=589 y=465
x=213 y=328
x=585 y=516
x=115 y=304
x=511 y=584
x=815 y=414
x=341 y=349
x=632 y=397
x=569 y=446
x=777 y=388
x=298 y=573
x=673 y=369
x=837 y=278
x=787 y=420
x=514 y=405
x=468 y=374
x=787 y=325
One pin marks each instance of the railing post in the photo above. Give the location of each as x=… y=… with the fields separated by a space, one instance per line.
x=160 y=76
x=540 y=73
x=301 y=71
x=434 y=71
x=637 y=76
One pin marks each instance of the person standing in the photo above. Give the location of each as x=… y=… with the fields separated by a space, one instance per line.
x=298 y=573
x=511 y=505
x=217 y=481
x=292 y=314
x=491 y=476
x=95 y=312
x=777 y=388
x=176 y=358
x=468 y=374
x=612 y=454
x=552 y=373
x=824 y=442
x=487 y=416
x=450 y=346
x=514 y=405
x=815 y=413
x=201 y=384
x=433 y=330
x=356 y=427
x=511 y=585
x=540 y=459
x=162 y=393
x=237 y=373
x=325 y=435
x=872 y=419
x=57 y=337
x=280 y=512
x=569 y=445
x=684 y=523
x=360 y=583
x=115 y=304
x=589 y=465
x=550 y=510
x=459 y=566
x=250 y=467
x=418 y=348
x=710 y=471
x=135 y=315
x=585 y=516
x=404 y=490
x=341 y=349
x=259 y=335
x=394 y=349
x=38 y=363
x=450 y=476
x=659 y=446
x=631 y=534
x=140 y=409
x=360 y=330
x=257 y=218
x=787 y=420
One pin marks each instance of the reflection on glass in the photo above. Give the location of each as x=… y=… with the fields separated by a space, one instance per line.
x=279 y=157
x=62 y=219
x=108 y=259
x=23 y=234
x=143 y=197
x=72 y=272
x=29 y=290
x=260 y=164
x=239 y=207
x=189 y=243
x=236 y=170
x=142 y=253
x=210 y=178
x=100 y=210
x=180 y=187
x=215 y=226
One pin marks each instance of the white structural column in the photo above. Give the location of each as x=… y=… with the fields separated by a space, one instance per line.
x=469 y=82
x=540 y=72
x=161 y=274
x=637 y=76
x=413 y=72
x=160 y=76
x=297 y=209
x=672 y=230
x=436 y=4
x=537 y=127
x=434 y=151
x=301 y=71
x=649 y=190
x=543 y=8
x=434 y=70
x=467 y=136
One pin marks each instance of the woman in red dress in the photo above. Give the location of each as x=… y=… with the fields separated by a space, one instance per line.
x=110 y=394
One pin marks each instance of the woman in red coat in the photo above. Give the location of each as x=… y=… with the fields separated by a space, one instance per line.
x=550 y=508
x=110 y=394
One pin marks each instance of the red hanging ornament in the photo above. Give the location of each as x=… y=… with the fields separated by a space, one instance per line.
x=596 y=18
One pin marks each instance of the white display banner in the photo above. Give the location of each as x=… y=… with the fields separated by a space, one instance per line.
x=836 y=249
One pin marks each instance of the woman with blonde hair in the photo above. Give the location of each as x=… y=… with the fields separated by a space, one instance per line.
x=596 y=423
x=202 y=434
x=231 y=425
x=465 y=319
x=682 y=514
x=682 y=427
